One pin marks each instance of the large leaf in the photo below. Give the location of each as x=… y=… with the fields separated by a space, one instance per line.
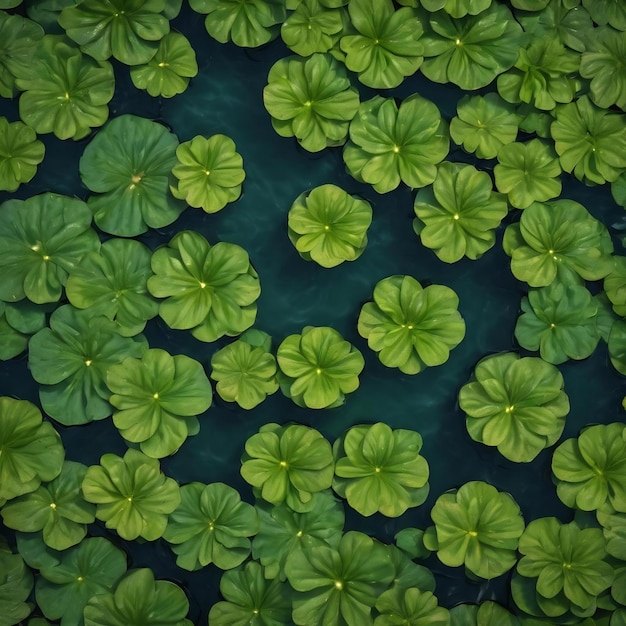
x=71 y=360
x=42 y=239
x=32 y=451
x=378 y=469
x=157 y=398
x=329 y=226
x=517 y=404
x=20 y=154
x=411 y=327
x=132 y=495
x=133 y=187
x=211 y=525
x=458 y=215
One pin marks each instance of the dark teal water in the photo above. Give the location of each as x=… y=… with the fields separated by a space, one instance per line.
x=226 y=97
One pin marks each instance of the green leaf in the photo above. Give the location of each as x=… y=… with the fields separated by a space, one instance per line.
x=128 y=30
x=20 y=154
x=389 y=144
x=411 y=542
x=209 y=172
x=46 y=13
x=329 y=226
x=139 y=599
x=607 y=12
x=209 y=289
x=411 y=327
x=517 y=404
x=245 y=373
x=591 y=470
x=386 y=48
x=321 y=367
x=560 y=322
x=132 y=495
x=211 y=525
x=65 y=92
x=113 y=283
x=483 y=124
x=617 y=346
x=311 y=99
x=412 y=606
x=339 y=586
x=614 y=529
x=18 y=321
x=487 y=614
x=409 y=574
x=288 y=464
x=479 y=527
x=71 y=360
x=82 y=572
x=157 y=398
x=133 y=188
x=618 y=190
x=284 y=531
x=472 y=51
x=42 y=239
x=458 y=215
x=32 y=451
x=58 y=509
x=558 y=240
x=169 y=70
x=247 y=23
x=378 y=469
x=16 y=583
x=251 y=599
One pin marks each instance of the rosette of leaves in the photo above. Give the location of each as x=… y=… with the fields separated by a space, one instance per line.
x=411 y=327
x=329 y=226
x=615 y=285
x=601 y=62
x=128 y=30
x=19 y=38
x=483 y=124
x=339 y=586
x=32 y=451
x=378 y=469
x=558 y=240
x=211 y=525
x=411 y=606
x=457 y=215
x=113 y=282
x=245 y=370
x=70 y=360
x=311 y=99
x=42 y=239
x=18 y=321
x=158 y=398
x=16 y=583
x=131 y=494
x=288 y=464
x=67 y=580
x=211 y=289
x=389 y=144
x=590 y=141
x=58 y=509
x=472 y=51
x=386 y=46
x=566 y=567
x=247 y=23
x=614 y=529
x=208 y=172
x=168 y=72
x=312 y=27
x=66 y=92
x=517 y=404
x=283 y=531
x=605 y=12
x=476 y=526
x=560 y=322
x=528 y=172
x=541 y=75
x=591 y=470
x=133 y=188
x=20 y=154
x=139 y=598
x=319 y=366
x=250 y=598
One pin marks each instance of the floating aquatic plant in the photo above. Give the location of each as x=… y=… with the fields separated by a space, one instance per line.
x=20 y=154
x=16 y=584
x=412 y=606
x=18 y=321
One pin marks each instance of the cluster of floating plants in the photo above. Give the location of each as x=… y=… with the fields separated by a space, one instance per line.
x=127 y=311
